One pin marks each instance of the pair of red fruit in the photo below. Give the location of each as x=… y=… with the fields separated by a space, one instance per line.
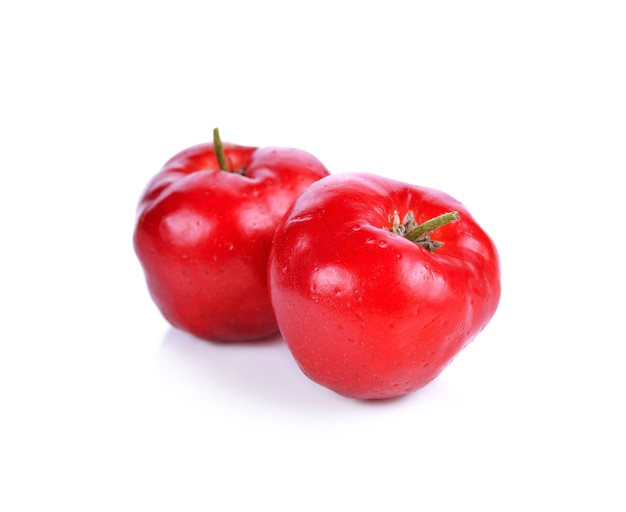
x=375 y=285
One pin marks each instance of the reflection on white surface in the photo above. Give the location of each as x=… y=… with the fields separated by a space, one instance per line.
x=260 y=374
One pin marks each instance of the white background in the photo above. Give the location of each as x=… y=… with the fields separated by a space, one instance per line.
x=515 y=108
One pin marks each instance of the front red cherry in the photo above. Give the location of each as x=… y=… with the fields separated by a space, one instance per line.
x=377 y=285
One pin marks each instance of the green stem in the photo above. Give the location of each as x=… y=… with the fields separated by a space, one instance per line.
x=420 y=233
x=423 y=230
x=219 y=151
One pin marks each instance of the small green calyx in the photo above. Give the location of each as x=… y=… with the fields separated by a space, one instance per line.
x=420 y=233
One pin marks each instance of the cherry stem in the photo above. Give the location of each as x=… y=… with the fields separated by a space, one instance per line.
x=421 y=231
x=420 y=234
x=219 y=151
